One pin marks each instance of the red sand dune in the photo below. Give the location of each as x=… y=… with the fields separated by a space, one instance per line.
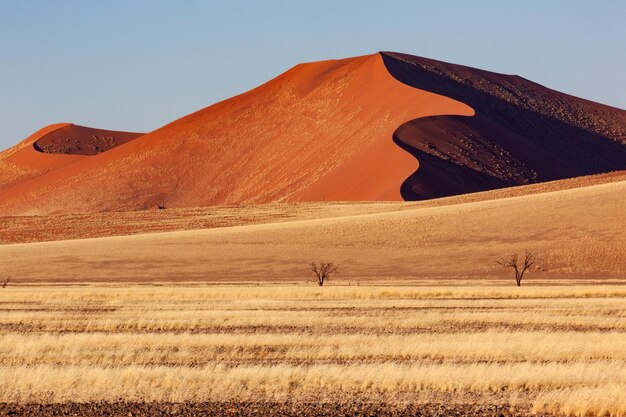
x=325 y=131
x=320 y=131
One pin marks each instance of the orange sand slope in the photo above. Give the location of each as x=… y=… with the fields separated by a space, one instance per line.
x=53 y=147
x=325 y=131
x=577 y=233
x=320 y=131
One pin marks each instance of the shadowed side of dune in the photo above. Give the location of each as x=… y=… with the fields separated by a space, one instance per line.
x=438 y=175
x=522 y=132
x=81 y=140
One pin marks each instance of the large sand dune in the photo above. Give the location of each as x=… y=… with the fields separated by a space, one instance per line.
x=378 y=127
x=577 y=233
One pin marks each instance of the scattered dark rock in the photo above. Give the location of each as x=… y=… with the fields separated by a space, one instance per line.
x=249 y=409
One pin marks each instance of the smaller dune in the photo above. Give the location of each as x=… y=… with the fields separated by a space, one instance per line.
x=54 y=147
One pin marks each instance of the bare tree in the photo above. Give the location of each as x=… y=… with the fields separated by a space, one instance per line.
x=323 y=271
x=519 y=267
x=5 y=281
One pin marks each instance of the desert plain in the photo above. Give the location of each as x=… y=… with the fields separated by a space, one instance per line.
x=225 y=319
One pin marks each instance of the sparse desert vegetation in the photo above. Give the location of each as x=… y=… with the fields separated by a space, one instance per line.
x=519 y=267
x=323 y=271
x=542 y=349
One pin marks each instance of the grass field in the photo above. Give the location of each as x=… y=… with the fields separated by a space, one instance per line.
x=556 y=349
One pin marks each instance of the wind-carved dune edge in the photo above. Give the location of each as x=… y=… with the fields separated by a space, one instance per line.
x=521 y=133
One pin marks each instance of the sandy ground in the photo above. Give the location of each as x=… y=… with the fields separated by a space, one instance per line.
x=577 y=233
x=24 y=229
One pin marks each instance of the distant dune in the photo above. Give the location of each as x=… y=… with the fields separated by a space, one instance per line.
x=23 y=162
x=53 y=147
x=380 y=127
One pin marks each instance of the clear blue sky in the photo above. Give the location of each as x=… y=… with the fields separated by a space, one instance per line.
x=136 y=65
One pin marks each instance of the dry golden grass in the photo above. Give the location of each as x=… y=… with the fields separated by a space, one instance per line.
x=557 y=349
